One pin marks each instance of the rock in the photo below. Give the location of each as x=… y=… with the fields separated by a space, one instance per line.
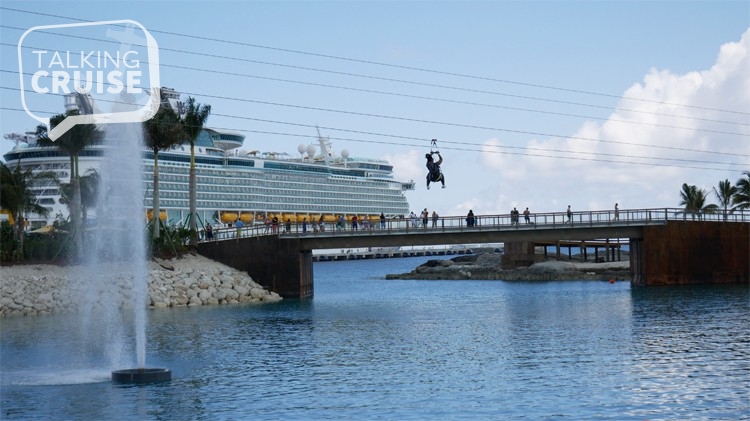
x=257 y=293
x=194 y=280
x=487 y=266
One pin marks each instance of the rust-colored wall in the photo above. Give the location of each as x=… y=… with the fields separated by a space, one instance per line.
x=695 y=252
x=278 y=265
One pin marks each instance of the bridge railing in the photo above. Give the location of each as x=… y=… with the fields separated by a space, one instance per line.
x=546 y=220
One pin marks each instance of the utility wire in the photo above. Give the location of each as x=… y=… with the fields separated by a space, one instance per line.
x=246 y=60
x=463 y=147
x=434 y=122
x=436 y=99
x=233 y=42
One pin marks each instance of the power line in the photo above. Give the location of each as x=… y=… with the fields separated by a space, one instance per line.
x=435 y=98
x=435 y=122
x=428 y=98
x=442 y=123
x=464 y=149
x=233 y=42
x=246 y=60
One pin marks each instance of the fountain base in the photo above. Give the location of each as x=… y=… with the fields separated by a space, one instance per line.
x=142 y=375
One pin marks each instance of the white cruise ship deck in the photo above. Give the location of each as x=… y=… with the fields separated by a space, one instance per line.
x=233 y=183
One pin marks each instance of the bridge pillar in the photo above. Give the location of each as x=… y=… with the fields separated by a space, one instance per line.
x=276 y=264
x=517 y=254
x=687 y=252
x=637 y=274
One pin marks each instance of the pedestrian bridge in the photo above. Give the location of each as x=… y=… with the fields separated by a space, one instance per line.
x=280 y=257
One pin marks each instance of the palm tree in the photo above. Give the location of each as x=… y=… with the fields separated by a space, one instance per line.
x=741 y=198
x=162 y=131
x=725 y=193
x=73 y=143
x=694 y=200
x=193 y=121
x=17 y=196
x=89 y=185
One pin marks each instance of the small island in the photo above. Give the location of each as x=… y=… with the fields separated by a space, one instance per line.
x=486 y=265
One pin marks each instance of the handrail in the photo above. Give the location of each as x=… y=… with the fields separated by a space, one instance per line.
x=546 y=220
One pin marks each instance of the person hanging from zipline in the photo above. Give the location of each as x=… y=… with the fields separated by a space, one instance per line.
x=433 y=167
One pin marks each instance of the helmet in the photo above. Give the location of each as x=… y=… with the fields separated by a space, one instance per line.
x=428 y=155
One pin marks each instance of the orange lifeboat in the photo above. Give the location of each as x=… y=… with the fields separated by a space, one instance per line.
x=162 y=215
x=228 y=217
x=330 y=218
x=246 y=217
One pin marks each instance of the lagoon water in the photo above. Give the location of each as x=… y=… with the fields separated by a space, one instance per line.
x=367 y=348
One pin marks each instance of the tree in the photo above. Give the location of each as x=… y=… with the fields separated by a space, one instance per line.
x=162 y=131
x=89 y=185
x=17 y=196
x=741 y=197
x=193 y=121
x=694 y=200
x=73 y=142
x=725 y=193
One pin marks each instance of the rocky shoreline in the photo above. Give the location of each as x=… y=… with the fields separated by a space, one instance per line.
x=190 y=281
x=486 y=266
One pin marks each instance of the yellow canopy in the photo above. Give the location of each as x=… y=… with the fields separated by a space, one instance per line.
x=47 y=229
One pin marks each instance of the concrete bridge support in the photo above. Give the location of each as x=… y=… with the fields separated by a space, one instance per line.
x=691 y=252
x=277 y=264
x=517 y=254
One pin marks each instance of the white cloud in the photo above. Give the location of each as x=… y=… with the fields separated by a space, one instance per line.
x=676 y=116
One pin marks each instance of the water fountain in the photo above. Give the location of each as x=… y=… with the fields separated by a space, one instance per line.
x=116 y=279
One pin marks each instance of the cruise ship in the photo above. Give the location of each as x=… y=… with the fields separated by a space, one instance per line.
x=234 y=183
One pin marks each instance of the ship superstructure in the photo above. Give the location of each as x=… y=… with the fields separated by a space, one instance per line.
x=235 y=183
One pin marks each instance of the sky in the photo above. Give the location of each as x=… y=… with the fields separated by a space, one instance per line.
x=538 y=104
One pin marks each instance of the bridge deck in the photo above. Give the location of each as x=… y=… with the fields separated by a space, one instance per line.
x=609 y=224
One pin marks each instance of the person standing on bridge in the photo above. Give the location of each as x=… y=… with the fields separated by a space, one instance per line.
x=239 y=225
x=617 y=212
x=435 y=218
x=526 y=216
x=382 y=220
x=425 y=218
x=470 y=218
x=570 y=214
